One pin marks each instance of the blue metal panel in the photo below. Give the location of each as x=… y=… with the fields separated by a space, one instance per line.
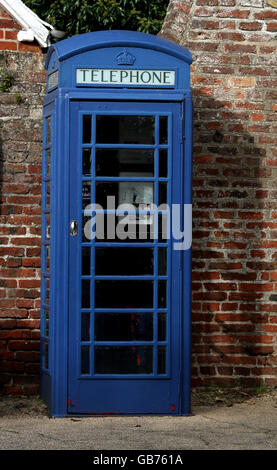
x=186 y=289
x=91 y=393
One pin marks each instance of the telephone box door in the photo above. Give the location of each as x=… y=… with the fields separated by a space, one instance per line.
x=125 y=317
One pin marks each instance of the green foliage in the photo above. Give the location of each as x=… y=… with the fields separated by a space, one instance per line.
x=81 y=16
x=6 y=80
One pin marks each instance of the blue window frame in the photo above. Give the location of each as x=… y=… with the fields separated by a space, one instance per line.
x=46 y=241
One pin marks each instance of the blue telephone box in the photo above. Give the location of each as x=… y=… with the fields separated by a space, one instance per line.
x=116 y=194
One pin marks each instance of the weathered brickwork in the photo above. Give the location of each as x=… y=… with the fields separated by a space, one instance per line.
x=20 y=170
x=234 y=83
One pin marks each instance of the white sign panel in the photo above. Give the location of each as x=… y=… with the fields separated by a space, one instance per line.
x=53 y=80
x=125 y=77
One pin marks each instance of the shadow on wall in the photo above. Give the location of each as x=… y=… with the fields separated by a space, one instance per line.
x=234 y=251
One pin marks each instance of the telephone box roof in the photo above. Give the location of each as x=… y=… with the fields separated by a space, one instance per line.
x=113 y=38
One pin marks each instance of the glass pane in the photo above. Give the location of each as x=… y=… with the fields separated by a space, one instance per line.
x=85 y=360
x=162 y=294
x=163 y=163
x=164 y=233
x=161 y=326
x=124 y=162
x=162 y=360
x=47 y=290
x=125 y=129
x=86 y=162
x=86 y=194
x=48 y=162
x=126 y=192
x=162 y=261
x=47 y=184
x=85 y=327
x=124 y=261
x=48 y=133
x=47 y=258
x=125 y=229
x=162 y=193
x=124 y=294
x=46 y=322
x=123 y=327
x=87 y=129
x=85 y=293
x=163 y=130
x=47 y=226
x=86 y=261
x=123 y=360
x=86 y=228
x=46 y=355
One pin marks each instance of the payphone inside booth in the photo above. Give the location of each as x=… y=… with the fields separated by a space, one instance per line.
x=116 y=226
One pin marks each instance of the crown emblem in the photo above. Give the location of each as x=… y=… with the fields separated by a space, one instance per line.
x=125 y=58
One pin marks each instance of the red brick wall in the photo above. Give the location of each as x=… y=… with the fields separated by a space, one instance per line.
x=234 y=83
x=20 y=169
x=8 y=35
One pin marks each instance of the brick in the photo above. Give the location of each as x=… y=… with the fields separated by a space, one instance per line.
x=266 y=15
x=240 y=48
x=251 y=26
x=250 y=215
x=256 y=287
x=7 y=23
x=235 y=13
x=209 y=296
x=227 y=3
x=8 y=45
x=223 y=286
x=15 y=345
x=267 y=49
x=210 y=307
x=225 y=265
x=23 y=47
x=29 y=283
x=207 y=3
x=258 y=254
x=239 y=276
x=33 y=241
x=231 y=36
x=272 y=27
x=257 y=116
x=245 y=296
x=204 y=24
x=241 y=81
x=10 y=34
x=27 y=356
x=203 y=12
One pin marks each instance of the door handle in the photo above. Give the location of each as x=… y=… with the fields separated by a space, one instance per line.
x=73 y=228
